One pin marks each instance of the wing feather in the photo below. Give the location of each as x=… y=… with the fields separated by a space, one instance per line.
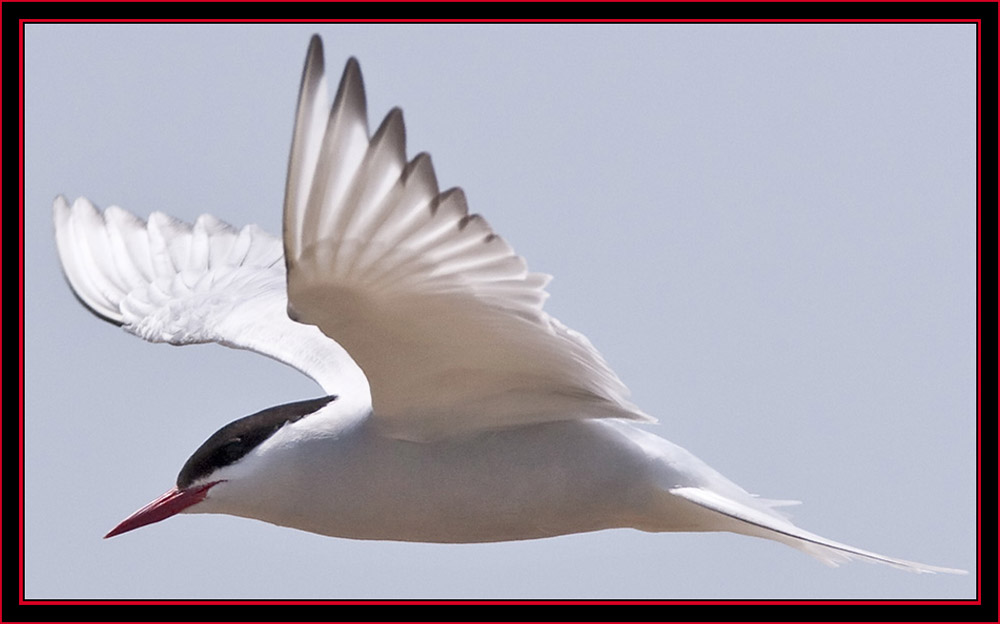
x=169 y=281
x=442 y=315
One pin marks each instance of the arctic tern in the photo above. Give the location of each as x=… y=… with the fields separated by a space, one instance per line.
x=455 y=409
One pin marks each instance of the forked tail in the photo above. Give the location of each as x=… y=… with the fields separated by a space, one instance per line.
x=759 y=523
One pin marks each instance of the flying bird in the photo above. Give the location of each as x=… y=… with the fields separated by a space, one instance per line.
x=455 y=409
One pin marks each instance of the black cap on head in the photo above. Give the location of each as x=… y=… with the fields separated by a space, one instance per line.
x=229 y=444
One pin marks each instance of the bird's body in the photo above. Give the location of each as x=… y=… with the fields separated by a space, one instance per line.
x=542 y=480
x=456 y=408
x=380 y=487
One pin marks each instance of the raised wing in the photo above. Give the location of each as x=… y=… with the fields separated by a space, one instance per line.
x=169 y=281
x=442 y=316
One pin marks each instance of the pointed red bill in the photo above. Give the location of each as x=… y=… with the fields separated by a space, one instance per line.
x=172 y=502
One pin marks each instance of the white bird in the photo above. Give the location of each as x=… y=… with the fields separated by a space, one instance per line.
x=464 y=412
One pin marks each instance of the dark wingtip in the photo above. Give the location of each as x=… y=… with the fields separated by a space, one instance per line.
x=314 y=57
x=352 y=74
x=351 y=91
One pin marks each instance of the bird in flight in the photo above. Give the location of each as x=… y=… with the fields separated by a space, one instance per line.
x=455 y=409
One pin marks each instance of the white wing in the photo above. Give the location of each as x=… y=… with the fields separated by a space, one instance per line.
x=169 y=281
x=443 y=317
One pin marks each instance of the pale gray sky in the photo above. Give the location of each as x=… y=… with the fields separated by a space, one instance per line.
x=767 y=230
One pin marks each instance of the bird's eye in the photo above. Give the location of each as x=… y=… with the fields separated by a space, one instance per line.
x=232 y=449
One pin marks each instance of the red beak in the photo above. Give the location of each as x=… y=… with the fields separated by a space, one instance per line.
x=172 y=502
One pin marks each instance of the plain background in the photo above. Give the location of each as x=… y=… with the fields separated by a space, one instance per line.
x=769 y=231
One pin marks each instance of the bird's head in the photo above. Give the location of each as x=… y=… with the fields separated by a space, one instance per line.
x=224 y=456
